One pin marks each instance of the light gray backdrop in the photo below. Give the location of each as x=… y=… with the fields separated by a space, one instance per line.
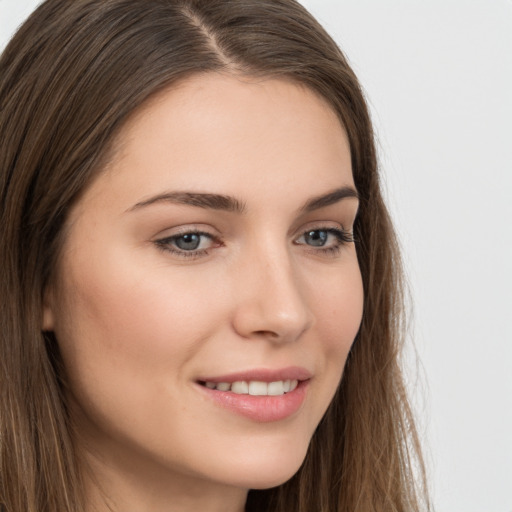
x=438 y=76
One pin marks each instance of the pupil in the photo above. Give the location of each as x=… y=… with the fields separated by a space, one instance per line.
x=316 y=238
x=188 y=242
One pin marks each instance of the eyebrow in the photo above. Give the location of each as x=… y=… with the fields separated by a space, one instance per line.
x=330 y=198
x=199 y=199
x=231 y=204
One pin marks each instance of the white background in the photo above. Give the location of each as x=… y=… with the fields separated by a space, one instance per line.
x=438 y=76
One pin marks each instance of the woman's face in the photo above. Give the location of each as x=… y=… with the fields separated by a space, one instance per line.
x=214 y=249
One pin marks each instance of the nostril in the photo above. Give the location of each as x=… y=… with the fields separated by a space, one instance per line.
x=267 y=334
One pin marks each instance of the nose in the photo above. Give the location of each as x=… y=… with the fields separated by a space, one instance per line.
x=271 y=303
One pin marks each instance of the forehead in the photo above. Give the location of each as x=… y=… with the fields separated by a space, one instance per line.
x=232 y=135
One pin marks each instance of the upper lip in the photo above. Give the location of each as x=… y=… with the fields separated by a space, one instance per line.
x=262 y=375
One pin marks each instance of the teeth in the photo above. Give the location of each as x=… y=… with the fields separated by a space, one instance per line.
x=276 y=388
x=240 y=388
x=255 y=388
x=258 y=388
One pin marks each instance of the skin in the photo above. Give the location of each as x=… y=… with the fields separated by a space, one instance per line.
x=137 y=324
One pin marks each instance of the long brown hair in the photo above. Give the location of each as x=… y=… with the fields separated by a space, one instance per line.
x=69 y=79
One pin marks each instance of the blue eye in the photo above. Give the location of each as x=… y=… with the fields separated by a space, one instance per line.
x=193 y=243
x=316 y=238
x=188 y=242
x=327 y=240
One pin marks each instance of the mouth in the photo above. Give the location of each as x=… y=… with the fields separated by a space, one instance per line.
x=260 y=395
x=254 y=387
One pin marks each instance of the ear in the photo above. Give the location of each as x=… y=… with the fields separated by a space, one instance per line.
x=48 y=317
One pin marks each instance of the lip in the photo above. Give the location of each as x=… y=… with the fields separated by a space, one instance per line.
x=262 y=409
x=262 y=374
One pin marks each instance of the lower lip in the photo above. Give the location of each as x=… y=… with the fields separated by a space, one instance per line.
x=262 y=409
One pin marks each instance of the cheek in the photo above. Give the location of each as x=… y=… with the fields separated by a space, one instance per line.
x=124 y=327
x=338 y=313
x=339 y=308
x=129 y=334
x=129 y=307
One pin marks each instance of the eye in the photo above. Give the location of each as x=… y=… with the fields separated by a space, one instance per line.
x=188 y=242
x=325 y=239
x=316 y=238
x=192 y=243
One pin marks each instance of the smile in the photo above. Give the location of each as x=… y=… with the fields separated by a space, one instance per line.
x=254 y=387
x=259 y=395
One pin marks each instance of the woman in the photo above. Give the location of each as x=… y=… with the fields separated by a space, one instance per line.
x=200 y=282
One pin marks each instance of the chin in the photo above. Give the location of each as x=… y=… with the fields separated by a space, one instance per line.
x=278 y=479
x=266 y=470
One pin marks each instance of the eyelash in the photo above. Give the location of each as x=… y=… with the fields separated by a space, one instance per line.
x=165 y=244
x=342 y=236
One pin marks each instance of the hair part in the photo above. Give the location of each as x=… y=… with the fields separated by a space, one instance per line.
x=69 y=80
